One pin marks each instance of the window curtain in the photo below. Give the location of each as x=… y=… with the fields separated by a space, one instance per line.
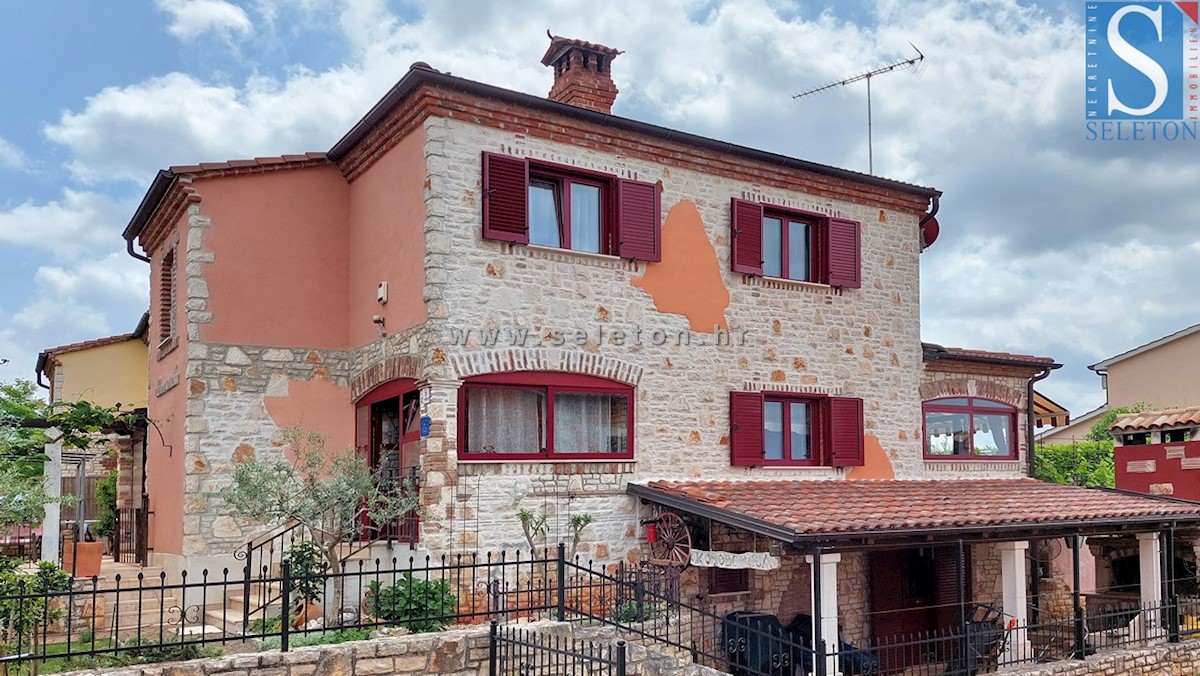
x=590 y=423
x=585 y=218
x=505 y=420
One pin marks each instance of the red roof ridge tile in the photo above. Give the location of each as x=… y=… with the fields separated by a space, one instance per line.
x=88 y=344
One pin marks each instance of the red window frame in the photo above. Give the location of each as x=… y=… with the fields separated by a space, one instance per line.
x=817 y=432
x=786 y=218
x=933 y=406
x=550 y=384
x=561 y=179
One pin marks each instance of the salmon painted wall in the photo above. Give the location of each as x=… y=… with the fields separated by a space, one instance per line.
x=165 y=453
x=280 y=277
x=105 y=375
x=1156 y=378
x=387 y=241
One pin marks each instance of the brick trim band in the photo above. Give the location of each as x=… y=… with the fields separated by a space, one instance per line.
x=544 y=359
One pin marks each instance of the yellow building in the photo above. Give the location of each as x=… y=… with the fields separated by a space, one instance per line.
x=105 y=371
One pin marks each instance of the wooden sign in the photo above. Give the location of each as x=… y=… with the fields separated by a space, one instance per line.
x=752 y=560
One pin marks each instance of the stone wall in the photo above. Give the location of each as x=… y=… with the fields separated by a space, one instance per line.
x=462 y=652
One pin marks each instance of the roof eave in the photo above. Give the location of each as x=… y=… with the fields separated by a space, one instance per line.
x=935 y=352
x=420 y=74
x=149 y=205
x=715 y=513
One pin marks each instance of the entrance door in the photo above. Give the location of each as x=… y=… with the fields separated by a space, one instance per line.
x=388 y=438
x=914 y=595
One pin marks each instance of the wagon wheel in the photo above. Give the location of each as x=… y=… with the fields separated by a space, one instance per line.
x=674 y=544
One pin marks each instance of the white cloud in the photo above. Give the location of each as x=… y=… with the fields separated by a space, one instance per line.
x=78 y=222
x=79 y=294
x=11 y=156
x=193 y=18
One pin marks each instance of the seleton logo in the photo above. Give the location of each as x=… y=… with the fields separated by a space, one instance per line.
x=1143 y=71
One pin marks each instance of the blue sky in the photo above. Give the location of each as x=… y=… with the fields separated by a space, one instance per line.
x=1051 y=245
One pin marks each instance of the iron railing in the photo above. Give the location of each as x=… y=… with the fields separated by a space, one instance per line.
x=513 y=650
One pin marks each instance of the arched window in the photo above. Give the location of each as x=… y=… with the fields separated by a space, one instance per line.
x=969 y=427
x=530 y=415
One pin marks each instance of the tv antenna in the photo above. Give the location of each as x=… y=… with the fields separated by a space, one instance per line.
x=917 y=63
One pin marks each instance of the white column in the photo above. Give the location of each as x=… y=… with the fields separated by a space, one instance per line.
x=53 y=472
x=1150 y=566
x=829 y=607
x=1015 y=590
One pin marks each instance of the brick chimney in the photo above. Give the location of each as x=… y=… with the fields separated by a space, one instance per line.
x=582 y=73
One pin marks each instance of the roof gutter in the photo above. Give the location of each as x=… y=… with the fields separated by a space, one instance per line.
x=40 y=368
x=938 y=352
x=1031 y=417
x=420 y=73
x=146 y=210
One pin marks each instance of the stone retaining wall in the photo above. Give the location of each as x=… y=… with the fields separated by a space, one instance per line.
x=461 y=652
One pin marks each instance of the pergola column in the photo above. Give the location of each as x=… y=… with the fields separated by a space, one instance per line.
x=825 y=589
x=1150 y=569
x=1015 y=592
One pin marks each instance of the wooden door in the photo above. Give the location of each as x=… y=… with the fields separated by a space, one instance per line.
x=903 y=605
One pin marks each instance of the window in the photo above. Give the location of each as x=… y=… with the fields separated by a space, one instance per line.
x=795 y=245
x=569 y=213
x=530 y=202
x=969 y=427
x=780 y=429
x=532 y=415
x=167 y=302
x=728 y=581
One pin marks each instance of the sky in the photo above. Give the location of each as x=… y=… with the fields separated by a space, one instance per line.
x=1051 y=244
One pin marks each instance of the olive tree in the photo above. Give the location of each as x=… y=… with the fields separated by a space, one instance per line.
x=329 y=495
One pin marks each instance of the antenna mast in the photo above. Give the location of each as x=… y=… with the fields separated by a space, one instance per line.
x=916 y=63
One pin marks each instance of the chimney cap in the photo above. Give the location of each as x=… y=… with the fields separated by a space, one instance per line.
x=560 y=45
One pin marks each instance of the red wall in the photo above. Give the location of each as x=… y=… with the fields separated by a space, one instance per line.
x=1185 y=482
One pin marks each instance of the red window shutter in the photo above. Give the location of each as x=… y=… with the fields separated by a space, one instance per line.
x=639 y=221
x=745 y=429
x=845 y=432
x=843 y=253
x=505 y=198
x=746 y=221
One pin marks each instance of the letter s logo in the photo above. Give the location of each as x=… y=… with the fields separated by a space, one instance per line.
x=1138 y=59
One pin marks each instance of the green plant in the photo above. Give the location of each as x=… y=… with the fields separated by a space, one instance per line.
x=106 y=504
x=1089 y=463
x=418 y=605
x=25 y=601
x=308 y=571
x=632 y=611
x=534 y=527
x=327 y=494
x=1099 y=429
x=576 y=524
x=266 y=625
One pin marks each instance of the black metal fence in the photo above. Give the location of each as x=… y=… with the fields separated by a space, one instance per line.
x=513 y=650
x=99 y=622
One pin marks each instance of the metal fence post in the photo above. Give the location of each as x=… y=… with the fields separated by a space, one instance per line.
x=1172 y=591
x=285 y=600
x=246 y=588
x=492 y=671
x=1080 y=628
x=562 y=582
x=620 y=658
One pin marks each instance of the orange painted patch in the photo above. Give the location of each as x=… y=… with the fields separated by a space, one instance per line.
x=688 y=281
x=877 y=464
x=317 y=405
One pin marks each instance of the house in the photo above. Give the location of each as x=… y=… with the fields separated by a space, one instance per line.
x=1148 y=375
x=107 y=371
x=1158 y=452
x=544 y=306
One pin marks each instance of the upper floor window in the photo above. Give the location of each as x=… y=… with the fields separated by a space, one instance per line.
x=531 y=415
x=795 y=245
x=969 y=427
x=167 y=297
x=531 y=202
x=784 y=429
x=569 y=212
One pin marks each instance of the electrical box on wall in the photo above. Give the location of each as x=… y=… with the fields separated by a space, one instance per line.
x=381 y=293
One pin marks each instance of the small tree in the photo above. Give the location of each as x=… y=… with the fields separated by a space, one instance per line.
x=328 y=496
x=23 y=498
x=1089 y=463
x=1099 y=429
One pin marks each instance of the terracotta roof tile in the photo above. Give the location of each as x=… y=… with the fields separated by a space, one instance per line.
x=951 y=352
x=306 y=158
x=882 y=506
x=88 y=344
x=1153 y=420
x=559 y=44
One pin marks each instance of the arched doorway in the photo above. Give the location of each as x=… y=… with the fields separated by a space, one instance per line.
x=388 y=438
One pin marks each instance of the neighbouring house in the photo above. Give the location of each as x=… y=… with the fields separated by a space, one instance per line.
x=540 y=305
x=1148 y=375
x=1158 y=452
x=107 y=372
